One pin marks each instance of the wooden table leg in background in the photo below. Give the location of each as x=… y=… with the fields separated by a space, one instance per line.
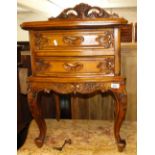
x=35 y=108
x=57 y=102
x=74 y=105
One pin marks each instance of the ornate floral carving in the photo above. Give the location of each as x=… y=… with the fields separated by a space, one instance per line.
x=40 y=40
x=90 y=87
x=82 y=88
x=85 y=11
x=41 y=65
x=106 y=39
x=106 y=66
x=73 y=67
x=73 y=40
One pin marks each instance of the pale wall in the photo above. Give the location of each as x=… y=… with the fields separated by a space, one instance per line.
x=129 y=13
x=22 y=35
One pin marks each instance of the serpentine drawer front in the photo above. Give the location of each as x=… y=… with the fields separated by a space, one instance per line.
x=77 y=52
x=45 y=40
x=62 y=66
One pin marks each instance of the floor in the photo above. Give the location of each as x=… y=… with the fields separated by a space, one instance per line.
x=88 y=137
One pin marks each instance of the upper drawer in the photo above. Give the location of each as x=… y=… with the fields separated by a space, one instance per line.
x=46 y=40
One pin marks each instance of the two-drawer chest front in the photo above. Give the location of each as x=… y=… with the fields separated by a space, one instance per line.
x=79 y=52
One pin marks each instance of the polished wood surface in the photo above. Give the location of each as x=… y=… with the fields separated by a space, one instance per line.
x=58 y=39
x=73 y=24
x=78 y=74
x=61 y=66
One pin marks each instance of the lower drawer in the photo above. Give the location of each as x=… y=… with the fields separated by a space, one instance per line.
x=77 y=66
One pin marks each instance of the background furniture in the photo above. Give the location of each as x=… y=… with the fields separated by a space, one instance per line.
x=23 y=114
x=127 y=33
x=59 y=68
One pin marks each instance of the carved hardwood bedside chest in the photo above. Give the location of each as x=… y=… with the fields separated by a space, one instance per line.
x=76 y=52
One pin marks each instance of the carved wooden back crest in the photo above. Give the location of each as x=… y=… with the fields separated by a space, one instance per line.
x=83 y=11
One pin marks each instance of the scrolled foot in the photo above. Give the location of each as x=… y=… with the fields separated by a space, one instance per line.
x=121 y=145
x=39 y=142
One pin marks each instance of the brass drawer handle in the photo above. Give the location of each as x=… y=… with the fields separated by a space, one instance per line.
x=73 y=40
x=73 y=67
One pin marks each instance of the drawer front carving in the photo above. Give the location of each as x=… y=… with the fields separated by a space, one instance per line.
x=42 y=65
x=106 y=65
x=71 y=66
x=106 y=39
x=55 y=39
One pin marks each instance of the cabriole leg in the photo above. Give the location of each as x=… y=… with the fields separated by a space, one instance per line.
x=37 y=115
x=120 y=112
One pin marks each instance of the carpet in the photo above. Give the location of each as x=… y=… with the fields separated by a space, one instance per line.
x=89 y=137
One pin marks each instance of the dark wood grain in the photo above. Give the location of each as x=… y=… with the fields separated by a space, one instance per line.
x=84 y=11
x=135 y=32
x=127 y=33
